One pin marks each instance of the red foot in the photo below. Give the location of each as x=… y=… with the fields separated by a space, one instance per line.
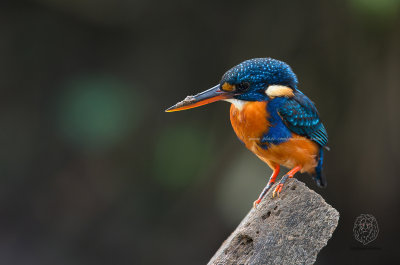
x=277 y=190
x=255 y=203
x=269 y=185
x=290 y=174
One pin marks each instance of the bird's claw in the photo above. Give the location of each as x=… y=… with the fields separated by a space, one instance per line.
x=277 y=190
x=290 y=174
x=256 y=202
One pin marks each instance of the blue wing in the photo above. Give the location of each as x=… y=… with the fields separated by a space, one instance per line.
x=301 y=117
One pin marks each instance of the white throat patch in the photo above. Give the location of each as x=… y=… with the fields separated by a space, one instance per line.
x=237 y=102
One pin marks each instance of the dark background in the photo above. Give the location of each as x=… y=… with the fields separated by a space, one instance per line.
x=94 y=172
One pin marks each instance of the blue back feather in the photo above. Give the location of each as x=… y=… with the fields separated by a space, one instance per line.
x=301 y=117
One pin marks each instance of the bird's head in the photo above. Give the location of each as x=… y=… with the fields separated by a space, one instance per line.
x=253 y=80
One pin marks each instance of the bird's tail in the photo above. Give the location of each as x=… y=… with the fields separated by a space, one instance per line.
x=319 y=177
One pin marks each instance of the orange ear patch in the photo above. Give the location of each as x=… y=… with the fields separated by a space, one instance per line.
x=228 y=87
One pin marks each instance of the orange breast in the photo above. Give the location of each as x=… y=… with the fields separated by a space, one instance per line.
x=250 y=123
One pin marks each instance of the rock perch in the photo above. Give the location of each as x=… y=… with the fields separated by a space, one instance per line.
x=289 y=229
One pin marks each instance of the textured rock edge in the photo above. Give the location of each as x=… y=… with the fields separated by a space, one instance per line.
x=289 y=229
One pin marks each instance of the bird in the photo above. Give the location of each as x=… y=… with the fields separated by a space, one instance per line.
x=271 y=117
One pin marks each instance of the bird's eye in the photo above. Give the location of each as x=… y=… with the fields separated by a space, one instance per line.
x=243 y=86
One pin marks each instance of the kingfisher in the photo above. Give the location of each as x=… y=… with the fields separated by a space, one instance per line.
x=271 y=117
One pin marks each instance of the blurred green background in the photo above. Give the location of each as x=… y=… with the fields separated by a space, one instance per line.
x=94 y=172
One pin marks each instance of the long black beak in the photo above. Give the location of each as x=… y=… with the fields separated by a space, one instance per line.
x=206 y=97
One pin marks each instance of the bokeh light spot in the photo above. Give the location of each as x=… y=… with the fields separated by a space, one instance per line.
x=381 y=9
x=240 y=186
x=96 y=113
x=181 y=154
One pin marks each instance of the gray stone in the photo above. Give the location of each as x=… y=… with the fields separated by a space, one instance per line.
x=289 y=229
